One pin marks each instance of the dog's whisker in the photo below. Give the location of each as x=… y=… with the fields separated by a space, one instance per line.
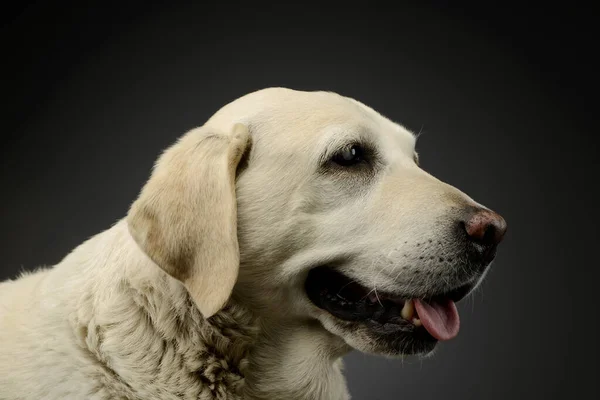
x=367 y=295
x=346 y=285
x=420 y=132
x=397 y=276
x=377 y=296
x=374 y=290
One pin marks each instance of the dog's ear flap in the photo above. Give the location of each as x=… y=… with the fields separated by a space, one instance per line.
x=185 y=218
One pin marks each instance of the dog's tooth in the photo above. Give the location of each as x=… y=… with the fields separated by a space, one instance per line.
x=417 y=322
x=408 y=310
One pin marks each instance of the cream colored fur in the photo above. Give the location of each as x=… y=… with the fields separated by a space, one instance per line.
x=197 y=293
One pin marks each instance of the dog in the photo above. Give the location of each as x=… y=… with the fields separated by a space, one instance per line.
x=289 y=229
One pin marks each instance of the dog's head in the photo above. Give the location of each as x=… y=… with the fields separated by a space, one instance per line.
x=310 y=205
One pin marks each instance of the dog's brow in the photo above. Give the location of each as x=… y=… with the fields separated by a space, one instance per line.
x=344 y=137
x=337 y=142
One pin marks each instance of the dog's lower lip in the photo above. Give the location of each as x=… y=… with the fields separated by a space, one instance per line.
x=347 y=300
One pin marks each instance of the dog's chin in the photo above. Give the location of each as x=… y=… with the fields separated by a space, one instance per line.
x=377 y=323
x=389 y=340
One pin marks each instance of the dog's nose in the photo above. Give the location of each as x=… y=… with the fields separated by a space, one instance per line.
x=485 y=227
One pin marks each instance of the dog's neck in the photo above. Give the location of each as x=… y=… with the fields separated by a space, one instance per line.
x=295 y=361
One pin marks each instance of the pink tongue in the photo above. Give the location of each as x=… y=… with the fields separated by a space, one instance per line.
x=440 y=319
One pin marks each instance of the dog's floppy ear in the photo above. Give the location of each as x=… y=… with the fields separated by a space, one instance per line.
x=185 y=218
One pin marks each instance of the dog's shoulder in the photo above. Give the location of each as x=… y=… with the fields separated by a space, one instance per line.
x=107 y=323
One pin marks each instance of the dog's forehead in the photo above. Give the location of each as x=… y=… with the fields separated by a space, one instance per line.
x=319 y=115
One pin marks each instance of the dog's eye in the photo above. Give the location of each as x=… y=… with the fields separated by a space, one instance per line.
x=349 y=155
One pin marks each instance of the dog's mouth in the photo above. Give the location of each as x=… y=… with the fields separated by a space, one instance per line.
x=432 y=317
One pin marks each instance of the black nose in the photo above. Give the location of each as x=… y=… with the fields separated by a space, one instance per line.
x=486 y=228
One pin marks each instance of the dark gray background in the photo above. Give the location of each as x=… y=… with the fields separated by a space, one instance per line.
x=503 y=95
